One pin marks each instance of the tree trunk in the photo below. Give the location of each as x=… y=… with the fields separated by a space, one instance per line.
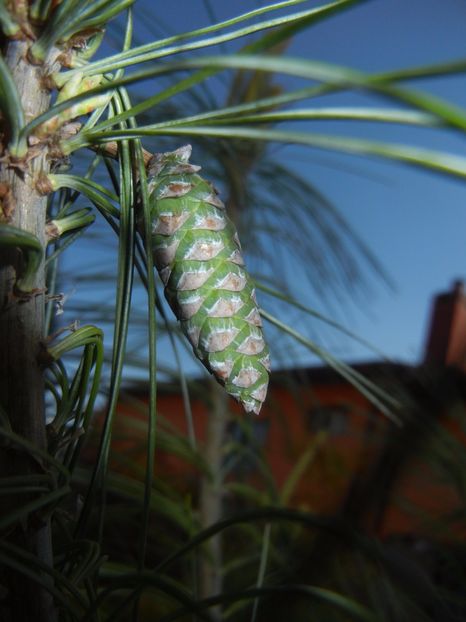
x=21 y=377
x=212 y=491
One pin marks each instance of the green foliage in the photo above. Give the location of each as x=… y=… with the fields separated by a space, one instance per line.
x=32 y=251
x=13 y=111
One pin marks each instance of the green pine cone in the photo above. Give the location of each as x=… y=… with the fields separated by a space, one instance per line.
x=198 y=255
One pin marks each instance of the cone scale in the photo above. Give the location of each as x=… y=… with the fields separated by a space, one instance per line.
x=198 y=256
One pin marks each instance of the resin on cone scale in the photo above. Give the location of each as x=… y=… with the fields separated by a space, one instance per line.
x=198 y=256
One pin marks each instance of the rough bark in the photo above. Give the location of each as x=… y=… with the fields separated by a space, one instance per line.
x=21 y=377
x=212 y=491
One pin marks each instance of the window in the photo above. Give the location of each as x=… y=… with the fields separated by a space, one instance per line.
x=332 y=418
x=249 y=438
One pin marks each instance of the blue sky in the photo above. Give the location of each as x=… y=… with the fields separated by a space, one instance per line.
x=414 y=221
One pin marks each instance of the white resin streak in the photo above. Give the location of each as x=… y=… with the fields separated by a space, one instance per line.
x=193 y=279
x=232 y=282
x=168 y=224
x=165 y=254
x=218 y=340
x=210 y=223
x=225 y=307
x=222 y=369
x=251 y=345
x=203 y=250
x=260 y=393
x=246 y=377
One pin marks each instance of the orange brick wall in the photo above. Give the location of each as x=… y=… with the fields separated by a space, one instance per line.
x=337 y=457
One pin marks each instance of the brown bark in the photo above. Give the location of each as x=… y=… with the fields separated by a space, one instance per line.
x=212 y=491
x=21 y=377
